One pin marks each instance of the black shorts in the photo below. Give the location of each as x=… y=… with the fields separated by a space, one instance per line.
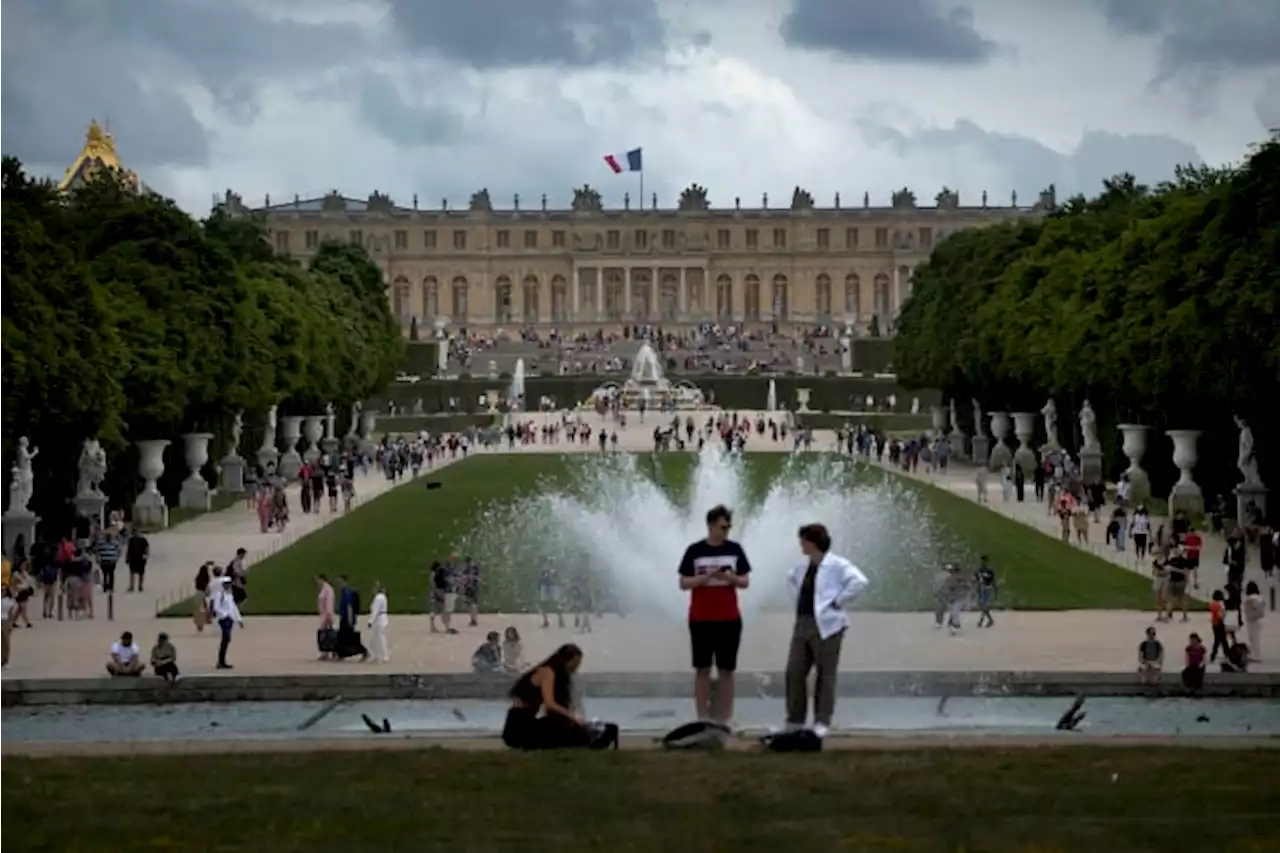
x=138 y=567
x=715 y=643
x=108 y=576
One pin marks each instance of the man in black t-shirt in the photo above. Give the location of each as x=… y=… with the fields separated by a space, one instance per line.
x=713 y=570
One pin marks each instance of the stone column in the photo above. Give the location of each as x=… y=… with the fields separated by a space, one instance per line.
x=682 y=306
x=655 y=297
x=577 y=288
x=894 y=296
x=600 y=311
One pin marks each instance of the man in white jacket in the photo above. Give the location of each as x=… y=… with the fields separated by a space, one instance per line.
x=822 y=586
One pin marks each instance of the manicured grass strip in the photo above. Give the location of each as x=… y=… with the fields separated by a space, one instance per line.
x=1061 y=799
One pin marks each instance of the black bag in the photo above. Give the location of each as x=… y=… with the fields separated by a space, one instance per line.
x=801 y=740
x=326 y=640
x=603 y=736
x=700 y=735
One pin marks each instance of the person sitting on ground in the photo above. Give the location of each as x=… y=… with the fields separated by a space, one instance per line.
x=1193 y=671
x=1236 y=658
x=488 y=658
x=512 y=651
x=1150 y=658
x=548 y=688
x=164 y=658
x=126 y=657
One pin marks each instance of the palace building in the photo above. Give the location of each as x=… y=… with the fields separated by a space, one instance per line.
x=99 y=152
x=588 y=267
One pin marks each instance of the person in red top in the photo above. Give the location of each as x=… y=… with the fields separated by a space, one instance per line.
x=1217 y=622
x=713 y=570
x=1193 y=543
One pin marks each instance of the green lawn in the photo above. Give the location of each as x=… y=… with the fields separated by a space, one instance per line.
x=1158 y=799
x=396 y=537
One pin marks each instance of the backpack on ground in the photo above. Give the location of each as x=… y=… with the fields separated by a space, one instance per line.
x=603 y=736
x=699 y=735
x=801 y=740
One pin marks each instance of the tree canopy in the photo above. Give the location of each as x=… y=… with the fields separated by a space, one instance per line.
x=1158 y=305
x=125 y=319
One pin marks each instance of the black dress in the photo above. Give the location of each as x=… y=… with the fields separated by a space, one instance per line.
x=525 y=729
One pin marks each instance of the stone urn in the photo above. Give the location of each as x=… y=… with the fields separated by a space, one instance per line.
x=1134 y=445
x=312 y=431
x=368 y=420
x=1186 y=494
x=493 y=399
x=802 y=399
x=939 y=420
x=195 y=493
x=290 y=461
x=149 y=509
x=1000 y=455
x=1024 y=427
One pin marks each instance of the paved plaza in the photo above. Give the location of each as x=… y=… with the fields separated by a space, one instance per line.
x=1098 y=641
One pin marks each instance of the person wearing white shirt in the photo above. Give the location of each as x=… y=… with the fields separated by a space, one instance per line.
x=226 y=614
x=822 y=586
x=126 y=657
x=378 y=625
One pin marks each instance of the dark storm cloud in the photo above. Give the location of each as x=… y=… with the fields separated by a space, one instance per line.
x=409 y=124
x=1202 y=36
x=1031 y=165
x=66 y=61
x=486 y=34
x=1266 y=106
x=901 y=30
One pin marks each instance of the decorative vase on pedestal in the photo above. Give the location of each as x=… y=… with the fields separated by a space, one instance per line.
x=494 y=399
x=290 y=461
x=312 y=430
x=1134 y=445
x=1024 y=427
x=149 y=509
x=802 y=399
x=368 y=420
x=330 y=441
x=1001 y=455
x=195 y=493
x=1185 y=494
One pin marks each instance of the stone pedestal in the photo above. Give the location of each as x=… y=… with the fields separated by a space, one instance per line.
x=1090 y=466
x=1247 y=493
x=1186 y=494
x=91 y=504
x=330 y=444
x=956 y=440
x=846 y=355
x=195 y=493
x=268 y=458
x=981 y=450
x=290 y=461
x=1000 y=455
x=1024 y=427
x=19 y=523
x=1133 y=446
x=150 y=509
x=231 y=475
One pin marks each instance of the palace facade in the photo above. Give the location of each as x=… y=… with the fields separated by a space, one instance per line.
x=588 y=267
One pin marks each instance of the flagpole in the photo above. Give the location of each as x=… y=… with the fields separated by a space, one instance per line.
x=642 y=187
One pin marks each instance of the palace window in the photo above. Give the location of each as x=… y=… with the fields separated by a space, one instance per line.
x=557 y=239
x=282 y=242
x=531 y=239
x=724 y=239
x=312 y=239
x=402 y=240
x=613 y=239
x=824 y=238
x=429 y=239
x=779 y=238
x=504 y=239
x=851 y=238
x=459 y=239
x=753 y=238
x=641 y=239
x=668 y=239
x=355 y=237
x=926 y=238
x=882 y=238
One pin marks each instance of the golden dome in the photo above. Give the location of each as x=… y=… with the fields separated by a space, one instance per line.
x=99 y=152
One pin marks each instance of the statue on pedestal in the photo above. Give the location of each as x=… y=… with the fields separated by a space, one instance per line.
x=92 y=467
x=269 y=433
x=237 y=432
x=356 y=408
x=1050 y=413
x=1245 y=459
x=977 y=416
x=22 y=484
x=1089 y=428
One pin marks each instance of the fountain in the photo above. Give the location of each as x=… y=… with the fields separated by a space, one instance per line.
x=614 y=517
x=649 y=385
x=771 y=401
x=515 y=394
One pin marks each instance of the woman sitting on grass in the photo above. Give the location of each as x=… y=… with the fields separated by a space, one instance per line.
x=548 y=688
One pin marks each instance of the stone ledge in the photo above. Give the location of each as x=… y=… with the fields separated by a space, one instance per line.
x=379 y=686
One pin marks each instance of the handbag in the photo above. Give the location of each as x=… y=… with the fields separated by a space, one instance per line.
x=326 y=640
x=603 y=736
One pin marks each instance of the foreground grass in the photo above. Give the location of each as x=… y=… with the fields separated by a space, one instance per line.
x=1070 y=800
x=395 y=537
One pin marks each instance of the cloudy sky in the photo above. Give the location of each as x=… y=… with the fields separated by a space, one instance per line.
x=443 y=97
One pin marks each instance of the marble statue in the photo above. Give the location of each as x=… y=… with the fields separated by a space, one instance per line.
x=237 y=431
x=1089 y=428
x=356 y=408
x=269 y=433
x=418 y=408
x=23 y=483
x=92 y=466
x=977 y=416
x=799 y=364
x=893 y=402
x=1246 y=461
x=955 y=415
x=1050 y=412
x=915 y=405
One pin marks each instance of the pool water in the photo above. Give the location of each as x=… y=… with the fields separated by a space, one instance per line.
x=888 y=716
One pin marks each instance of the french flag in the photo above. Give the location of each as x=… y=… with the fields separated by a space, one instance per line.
x=632 y=161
